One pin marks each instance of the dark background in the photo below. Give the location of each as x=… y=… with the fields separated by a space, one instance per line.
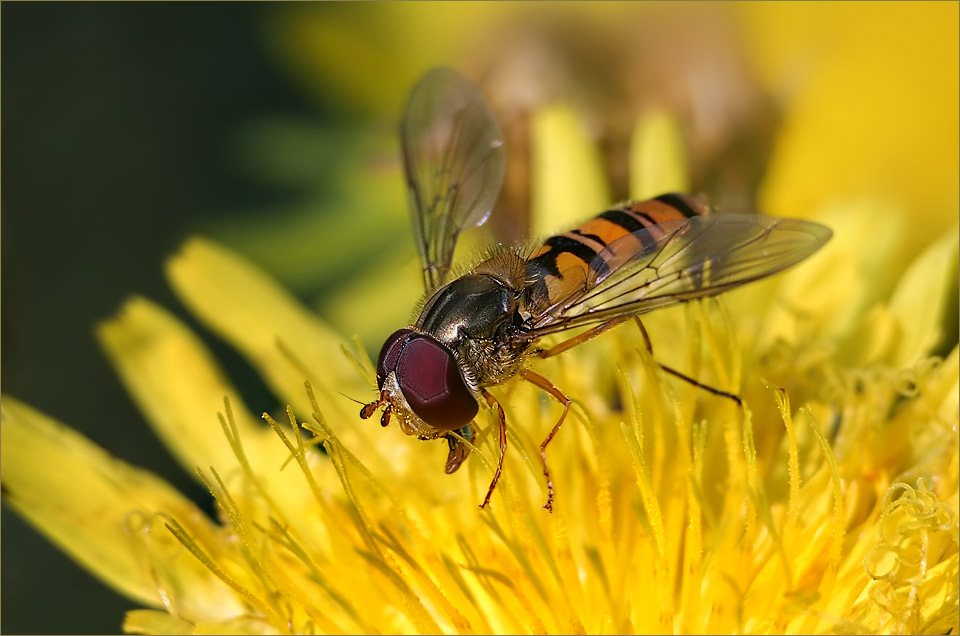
x=117 y=125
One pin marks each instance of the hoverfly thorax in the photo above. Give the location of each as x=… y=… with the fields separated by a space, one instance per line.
x=430 y=374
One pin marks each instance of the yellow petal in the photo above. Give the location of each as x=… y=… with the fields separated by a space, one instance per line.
x=103 y=513
x=920 y=300
x=154 y=622
x=181 y=391
x=567 y=180
x=175 y=382
x=949 y=409
x=830 y=292
x=658 y=162
x=282 y=339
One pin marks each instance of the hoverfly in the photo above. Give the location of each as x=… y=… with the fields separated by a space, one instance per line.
x=476 y=331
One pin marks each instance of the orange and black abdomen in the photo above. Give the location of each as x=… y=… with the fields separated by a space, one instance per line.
x=566 y=262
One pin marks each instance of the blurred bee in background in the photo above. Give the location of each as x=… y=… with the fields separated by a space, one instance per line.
x=477 y=330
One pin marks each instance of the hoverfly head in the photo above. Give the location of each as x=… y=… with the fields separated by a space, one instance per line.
x=421 y=383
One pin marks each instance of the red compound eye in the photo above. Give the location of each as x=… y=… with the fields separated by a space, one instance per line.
x=390 y=353
x=431 y=381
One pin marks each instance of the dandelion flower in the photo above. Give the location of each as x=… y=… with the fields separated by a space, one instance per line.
x=828 y=503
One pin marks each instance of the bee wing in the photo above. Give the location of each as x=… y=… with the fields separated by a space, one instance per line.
x=673 y=262
x=454 y=162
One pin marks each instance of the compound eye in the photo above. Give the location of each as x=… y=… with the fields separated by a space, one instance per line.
x=431 y=381
x=390 y=353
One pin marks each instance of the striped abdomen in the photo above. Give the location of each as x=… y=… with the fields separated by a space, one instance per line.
x=566 y=263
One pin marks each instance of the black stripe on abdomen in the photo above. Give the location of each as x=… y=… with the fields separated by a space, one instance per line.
x=626 y=220
x=679 y=203
x=558 y=245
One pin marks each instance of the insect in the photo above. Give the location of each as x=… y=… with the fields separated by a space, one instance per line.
x=476 y=331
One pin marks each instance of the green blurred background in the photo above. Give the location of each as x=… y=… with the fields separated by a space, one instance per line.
x=119 y=134
x=271 y=128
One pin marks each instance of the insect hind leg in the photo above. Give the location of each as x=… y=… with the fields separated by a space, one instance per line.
x=566 y=345
x=545 y=384
x=678 y=374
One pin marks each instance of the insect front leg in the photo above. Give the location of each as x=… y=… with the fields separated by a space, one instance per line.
x=491 y=402
x=677 y=374
x=546 y=385
x=459 y=449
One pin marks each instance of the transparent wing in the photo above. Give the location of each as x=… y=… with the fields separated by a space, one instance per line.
x=677 y=261
x=454 y=161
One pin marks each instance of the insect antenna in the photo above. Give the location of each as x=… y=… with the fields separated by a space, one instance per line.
x=352 y=399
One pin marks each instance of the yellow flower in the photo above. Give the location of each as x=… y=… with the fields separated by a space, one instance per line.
x=827 y=503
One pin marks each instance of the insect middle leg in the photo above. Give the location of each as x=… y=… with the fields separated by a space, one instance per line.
x=545 y=384
x=491 y=402
x=566 y=345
